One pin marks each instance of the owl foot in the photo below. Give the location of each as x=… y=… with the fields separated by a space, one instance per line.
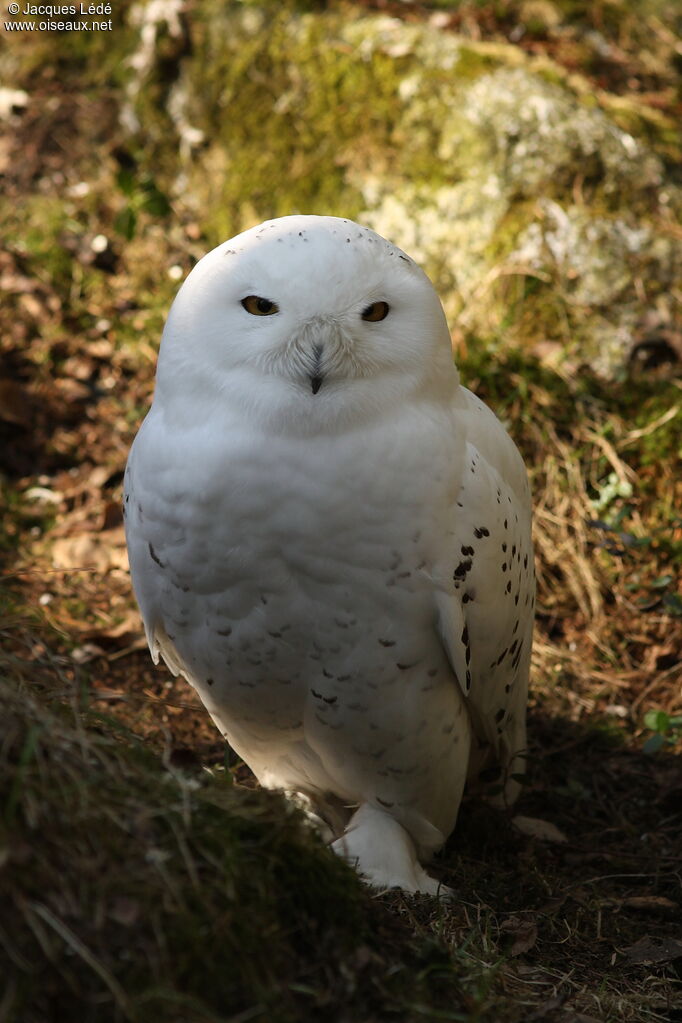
x=384 y=854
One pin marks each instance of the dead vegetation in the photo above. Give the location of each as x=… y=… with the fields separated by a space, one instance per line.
x=137 y=882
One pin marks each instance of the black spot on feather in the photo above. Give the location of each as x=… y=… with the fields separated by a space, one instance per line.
x=462 y=569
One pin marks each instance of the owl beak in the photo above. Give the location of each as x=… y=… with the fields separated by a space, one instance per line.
x=317 y=376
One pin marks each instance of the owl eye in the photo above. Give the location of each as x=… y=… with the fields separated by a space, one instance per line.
x=376 y=311
x=259 y=306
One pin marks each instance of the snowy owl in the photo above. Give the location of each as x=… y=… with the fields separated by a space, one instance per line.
x=329 y=537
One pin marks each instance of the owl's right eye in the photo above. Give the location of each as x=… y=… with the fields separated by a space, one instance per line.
x=258 y=306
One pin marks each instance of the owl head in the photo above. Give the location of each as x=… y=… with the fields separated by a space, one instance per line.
x=305 y=323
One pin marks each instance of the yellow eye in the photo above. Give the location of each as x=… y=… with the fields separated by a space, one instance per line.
x=376 y=311
x=259 y=306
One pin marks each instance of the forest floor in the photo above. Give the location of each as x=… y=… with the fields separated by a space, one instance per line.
x=142 y=874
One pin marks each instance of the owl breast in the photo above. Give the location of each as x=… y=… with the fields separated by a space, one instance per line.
x=313 y=625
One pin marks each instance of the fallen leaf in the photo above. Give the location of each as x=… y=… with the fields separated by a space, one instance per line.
x=651 y=904
x=15 y=404
x=536 y=828
x=650 y=950
x=95 y=551
x=85 y=653
x=522 y=931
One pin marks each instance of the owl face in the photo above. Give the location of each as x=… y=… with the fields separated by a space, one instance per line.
x=316 y=312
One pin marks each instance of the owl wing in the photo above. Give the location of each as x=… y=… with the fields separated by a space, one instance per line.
x=486 y=592
x=157 y=501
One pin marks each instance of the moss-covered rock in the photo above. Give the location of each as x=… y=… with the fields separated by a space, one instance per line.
x=539 y=218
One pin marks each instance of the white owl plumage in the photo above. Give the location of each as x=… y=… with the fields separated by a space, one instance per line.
x=329 y=537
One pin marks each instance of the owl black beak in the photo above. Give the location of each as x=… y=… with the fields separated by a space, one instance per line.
x=317 y=376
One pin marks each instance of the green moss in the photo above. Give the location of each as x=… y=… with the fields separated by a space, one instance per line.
x=217 y=893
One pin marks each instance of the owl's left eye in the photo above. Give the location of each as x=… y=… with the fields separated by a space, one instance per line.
x=375 y=312
x=258 y=306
